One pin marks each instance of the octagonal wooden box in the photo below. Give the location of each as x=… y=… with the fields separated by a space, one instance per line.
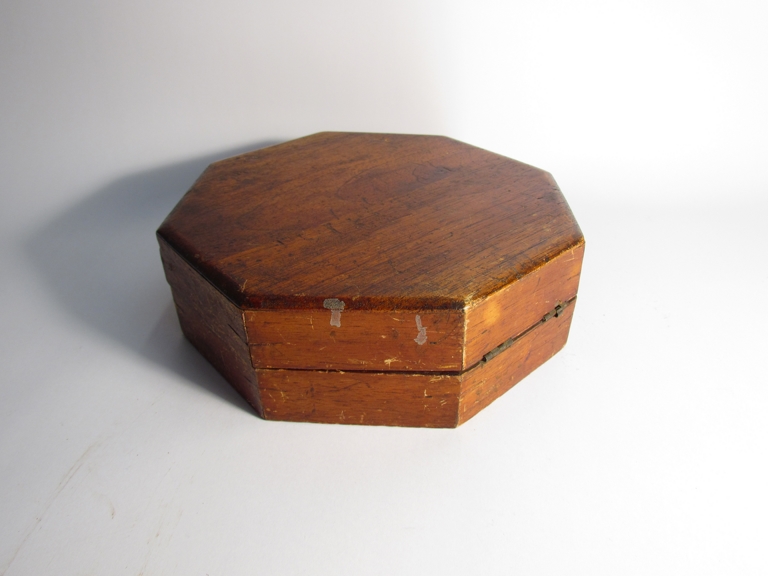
x=373 y=278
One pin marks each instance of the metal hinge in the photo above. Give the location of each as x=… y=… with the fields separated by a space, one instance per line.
x=554 y=313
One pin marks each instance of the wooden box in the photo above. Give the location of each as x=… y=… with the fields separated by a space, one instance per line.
x=373 y=278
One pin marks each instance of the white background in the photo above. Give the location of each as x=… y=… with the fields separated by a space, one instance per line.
x=640 y=449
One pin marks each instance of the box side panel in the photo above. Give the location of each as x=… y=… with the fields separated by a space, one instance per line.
x=520 y=305
x=212 y=324
x=488 y=380
x=373 y=340
x=389 y=399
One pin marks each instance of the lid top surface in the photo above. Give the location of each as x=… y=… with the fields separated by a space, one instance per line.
x=381 y=221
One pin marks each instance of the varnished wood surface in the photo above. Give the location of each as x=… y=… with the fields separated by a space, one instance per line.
x=483 y=384
x=382 y=222
x=376 y=340
x=513 y=309
x=429 y=340
x=212 y=324
x=217 y=329
x=370 y=398
x=371 y=278
x=400 y=399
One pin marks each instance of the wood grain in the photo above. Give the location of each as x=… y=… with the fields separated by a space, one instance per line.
x=402 y=399
x=212 y=324
x=488 y=380
x=513 y=309
x=383 y=222
x=370 y=398
x=365 y=340
x=216 y=327
x=368 y=278
x=378 y=340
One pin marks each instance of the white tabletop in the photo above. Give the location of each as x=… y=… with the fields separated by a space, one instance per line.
x=639 y=449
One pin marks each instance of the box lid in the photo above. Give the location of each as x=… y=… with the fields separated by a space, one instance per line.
x=380 y=252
